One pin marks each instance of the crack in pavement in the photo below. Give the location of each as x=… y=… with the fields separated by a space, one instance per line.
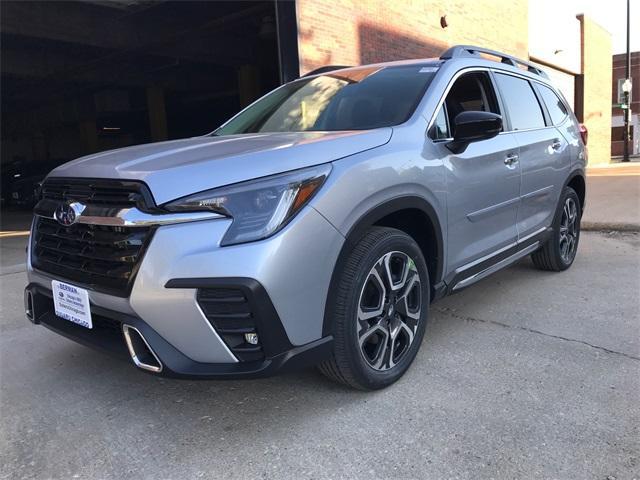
x=11 y=269
x=452 y=313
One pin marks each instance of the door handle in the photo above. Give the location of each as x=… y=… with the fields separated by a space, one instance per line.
x=556 y=144
x=511 y=159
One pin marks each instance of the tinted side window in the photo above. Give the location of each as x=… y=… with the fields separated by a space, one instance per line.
x=440 y=128
x=471 y=92
x=521 y=102
x=556 y=107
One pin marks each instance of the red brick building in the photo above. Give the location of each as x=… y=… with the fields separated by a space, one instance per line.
x=353 y=32
x=617 y=98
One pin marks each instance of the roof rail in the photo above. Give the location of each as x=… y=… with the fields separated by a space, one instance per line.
x=458 y=51
x=325 y=69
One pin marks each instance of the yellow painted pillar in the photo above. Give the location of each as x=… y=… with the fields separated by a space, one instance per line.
x=597 y=72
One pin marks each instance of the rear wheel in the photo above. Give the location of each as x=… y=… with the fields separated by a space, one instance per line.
x=560 y=250
x=380 y=310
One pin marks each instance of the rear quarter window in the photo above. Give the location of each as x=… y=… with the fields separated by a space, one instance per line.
x=556 y=107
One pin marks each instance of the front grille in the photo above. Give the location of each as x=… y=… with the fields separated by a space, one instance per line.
x=102 y=258
x=116 y=194
x=229 y=312
x=99 y=257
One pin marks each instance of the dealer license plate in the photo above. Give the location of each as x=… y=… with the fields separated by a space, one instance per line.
x=71 y=303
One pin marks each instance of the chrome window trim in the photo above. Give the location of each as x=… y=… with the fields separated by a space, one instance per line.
x=486 y=69
x=528 y=129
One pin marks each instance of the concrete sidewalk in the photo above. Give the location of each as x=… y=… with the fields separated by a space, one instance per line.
x=613 y=198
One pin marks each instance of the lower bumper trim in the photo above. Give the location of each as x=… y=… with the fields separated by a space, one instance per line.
x=107 y=335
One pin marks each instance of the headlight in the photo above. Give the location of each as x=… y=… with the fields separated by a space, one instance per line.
x=259 y=208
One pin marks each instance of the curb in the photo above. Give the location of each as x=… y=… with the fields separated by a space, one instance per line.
x=608 y=227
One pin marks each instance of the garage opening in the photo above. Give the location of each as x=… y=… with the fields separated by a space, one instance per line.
x=82 y=77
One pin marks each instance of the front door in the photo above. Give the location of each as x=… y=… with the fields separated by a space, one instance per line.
x=483 y=182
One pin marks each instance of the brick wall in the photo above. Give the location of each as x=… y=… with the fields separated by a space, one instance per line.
x=620 y=72
x=597 y=71
x=354 y=32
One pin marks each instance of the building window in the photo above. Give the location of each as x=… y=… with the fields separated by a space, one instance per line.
x=617 y=133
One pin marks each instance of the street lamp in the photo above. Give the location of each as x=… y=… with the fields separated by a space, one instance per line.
x=626 y=90
x=626 y=87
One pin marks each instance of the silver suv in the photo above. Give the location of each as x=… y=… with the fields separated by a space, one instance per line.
x=317 y=225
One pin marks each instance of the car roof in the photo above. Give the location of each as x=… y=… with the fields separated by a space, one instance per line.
x=459 y=55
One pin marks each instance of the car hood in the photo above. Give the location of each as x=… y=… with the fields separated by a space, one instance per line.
x=180 y=167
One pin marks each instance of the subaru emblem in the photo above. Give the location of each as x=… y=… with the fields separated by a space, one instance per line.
x=67 y=213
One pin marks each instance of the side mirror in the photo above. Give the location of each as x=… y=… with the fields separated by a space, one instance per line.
x=472 y=127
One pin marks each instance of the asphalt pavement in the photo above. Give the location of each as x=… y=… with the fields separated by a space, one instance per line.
x=527 y=374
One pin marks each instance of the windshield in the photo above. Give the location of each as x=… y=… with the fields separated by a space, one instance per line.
x=353 y=99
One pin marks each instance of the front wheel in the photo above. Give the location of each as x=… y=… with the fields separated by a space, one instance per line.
x=379 y=310
x=560 y=250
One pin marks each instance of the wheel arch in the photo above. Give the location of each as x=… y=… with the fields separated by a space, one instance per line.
x=577 y=181
x=411 y=214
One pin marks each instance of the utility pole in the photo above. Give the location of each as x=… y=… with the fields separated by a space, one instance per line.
x=627 y=89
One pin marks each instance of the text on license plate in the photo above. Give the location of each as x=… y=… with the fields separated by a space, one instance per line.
x=71 y=303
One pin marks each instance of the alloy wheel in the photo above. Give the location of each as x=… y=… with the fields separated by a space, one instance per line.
x=568 y=230
x=389 y=310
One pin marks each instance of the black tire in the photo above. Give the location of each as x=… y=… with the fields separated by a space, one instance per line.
x=347 y=363
x=552 y=256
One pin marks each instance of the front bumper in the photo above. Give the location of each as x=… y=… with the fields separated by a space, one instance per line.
x=292 y=269
x=107 y=336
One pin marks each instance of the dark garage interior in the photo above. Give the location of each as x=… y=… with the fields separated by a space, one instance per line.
x=82 y=77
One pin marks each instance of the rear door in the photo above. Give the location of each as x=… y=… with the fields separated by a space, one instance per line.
x=543 y=152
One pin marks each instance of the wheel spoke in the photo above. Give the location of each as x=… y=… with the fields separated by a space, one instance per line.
x=398 y=328
x=366 y=334
x=408 y=331
x=376 y=357
x=382 y=355
x=570 y=243
x=403 y=300
x=369 y=312
x=568 y=231
x=571 y=210
x=394 y=286
x=564 y=249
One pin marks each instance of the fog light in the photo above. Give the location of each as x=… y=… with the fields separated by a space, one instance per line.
x=251 y=338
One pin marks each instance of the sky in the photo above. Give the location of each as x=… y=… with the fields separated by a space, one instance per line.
x=611 y=14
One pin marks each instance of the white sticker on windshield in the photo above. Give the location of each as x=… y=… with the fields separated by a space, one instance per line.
x=428 y=69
